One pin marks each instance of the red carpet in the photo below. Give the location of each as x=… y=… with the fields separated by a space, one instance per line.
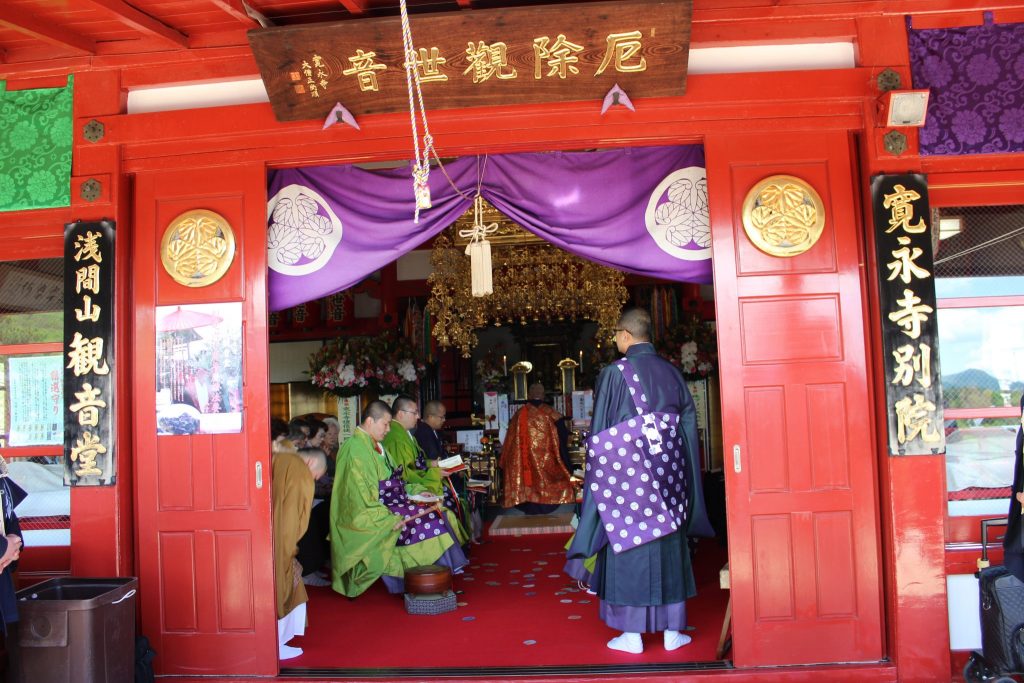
x=516 y=608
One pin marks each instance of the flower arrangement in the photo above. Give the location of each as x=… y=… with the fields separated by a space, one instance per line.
x=490 y=371
x=692 y=346
x=349 y=366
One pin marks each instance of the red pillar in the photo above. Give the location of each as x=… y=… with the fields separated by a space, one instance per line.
x=101 y=517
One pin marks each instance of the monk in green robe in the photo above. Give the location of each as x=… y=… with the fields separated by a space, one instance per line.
x=376 y=532
x=419 y=476
x=404 y=450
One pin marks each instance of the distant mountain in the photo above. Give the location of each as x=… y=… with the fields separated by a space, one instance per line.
x=970 y=378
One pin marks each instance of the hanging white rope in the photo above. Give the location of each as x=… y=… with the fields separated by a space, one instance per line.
x=421 y=162
x=479 y=250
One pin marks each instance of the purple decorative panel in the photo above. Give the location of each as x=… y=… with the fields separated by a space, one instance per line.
x=976 y=78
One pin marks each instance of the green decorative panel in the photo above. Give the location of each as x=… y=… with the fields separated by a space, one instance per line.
x=35 y=147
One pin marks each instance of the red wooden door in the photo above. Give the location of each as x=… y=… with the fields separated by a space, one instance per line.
x=799 y=452
x=203 y=501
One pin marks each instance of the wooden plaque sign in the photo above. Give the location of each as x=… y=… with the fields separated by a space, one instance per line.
x=906 y=285
x=89 y=364
x=476 y=58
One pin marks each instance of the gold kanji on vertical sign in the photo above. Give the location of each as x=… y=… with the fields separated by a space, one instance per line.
x=89 y=358
x=903 y=249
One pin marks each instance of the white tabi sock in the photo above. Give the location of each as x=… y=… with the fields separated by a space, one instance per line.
x=627 y=642
x=675 y=640
x=288 y=652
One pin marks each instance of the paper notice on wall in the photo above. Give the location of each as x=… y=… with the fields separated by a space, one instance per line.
x=36 y=385
x=503 y=415
x=491 y=409
x=348 y=417
x=582 y=405
x=470 y=438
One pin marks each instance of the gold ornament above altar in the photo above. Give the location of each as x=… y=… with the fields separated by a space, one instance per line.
x=533 y=281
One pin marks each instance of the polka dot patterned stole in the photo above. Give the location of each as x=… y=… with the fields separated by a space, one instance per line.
x=636 y=471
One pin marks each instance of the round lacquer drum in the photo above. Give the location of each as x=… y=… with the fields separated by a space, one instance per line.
x=428 y=578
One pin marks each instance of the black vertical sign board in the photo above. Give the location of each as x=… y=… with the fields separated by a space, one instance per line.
x=906 y=283
x=89 y=455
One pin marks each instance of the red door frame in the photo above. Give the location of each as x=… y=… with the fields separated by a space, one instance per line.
x=203 y=514
x=545 y=131
x=805 y=559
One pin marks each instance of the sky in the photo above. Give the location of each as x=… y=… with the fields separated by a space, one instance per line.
x=982 y=340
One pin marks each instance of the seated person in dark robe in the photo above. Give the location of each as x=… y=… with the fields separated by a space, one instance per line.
x=456 y=497
x=330 y=444
x=298 y=432
x=427 y=431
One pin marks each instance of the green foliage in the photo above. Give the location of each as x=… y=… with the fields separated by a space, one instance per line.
x=32 y=328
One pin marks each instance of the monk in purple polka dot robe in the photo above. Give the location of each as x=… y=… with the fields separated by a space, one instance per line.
x=642 y=495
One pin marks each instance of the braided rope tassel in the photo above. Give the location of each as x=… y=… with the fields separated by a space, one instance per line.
x=421 y=165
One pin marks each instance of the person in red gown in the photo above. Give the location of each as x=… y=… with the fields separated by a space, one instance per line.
x=533 y=470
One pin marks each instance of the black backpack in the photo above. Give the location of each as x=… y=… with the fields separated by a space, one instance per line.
x=144 y=656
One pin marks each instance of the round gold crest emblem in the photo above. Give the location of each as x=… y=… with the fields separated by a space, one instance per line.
x=783 y=215
x=197 y=248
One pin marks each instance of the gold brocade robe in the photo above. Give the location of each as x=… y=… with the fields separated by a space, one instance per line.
x=532 y=469
x=292 y=497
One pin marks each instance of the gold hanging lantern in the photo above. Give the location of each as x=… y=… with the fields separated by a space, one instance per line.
x=532 y=281
x=519 y=372
x=568 y=367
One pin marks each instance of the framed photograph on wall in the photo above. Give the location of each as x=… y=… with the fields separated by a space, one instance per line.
x=199 y=368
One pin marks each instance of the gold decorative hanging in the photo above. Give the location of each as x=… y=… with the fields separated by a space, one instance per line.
x=533 y=281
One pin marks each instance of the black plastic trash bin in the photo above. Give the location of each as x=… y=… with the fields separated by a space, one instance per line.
x=77 y=630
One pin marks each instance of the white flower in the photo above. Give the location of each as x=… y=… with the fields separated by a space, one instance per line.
x=407 y=371
x=688 y=352
x=347 y=374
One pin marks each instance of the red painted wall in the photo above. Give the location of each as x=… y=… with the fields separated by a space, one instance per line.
x=911 y=491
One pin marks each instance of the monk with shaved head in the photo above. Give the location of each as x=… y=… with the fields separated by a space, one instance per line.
x=642 y=494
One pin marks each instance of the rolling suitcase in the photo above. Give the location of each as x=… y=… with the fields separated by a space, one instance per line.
x=1002 y=620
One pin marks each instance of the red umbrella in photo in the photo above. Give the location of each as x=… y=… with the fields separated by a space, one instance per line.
x=186 y=319
x=176 y=332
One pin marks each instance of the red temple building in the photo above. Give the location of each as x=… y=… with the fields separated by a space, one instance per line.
x=853 y=521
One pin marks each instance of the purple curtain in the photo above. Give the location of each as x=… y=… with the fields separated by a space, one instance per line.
x=976 y=78
x=642 y=210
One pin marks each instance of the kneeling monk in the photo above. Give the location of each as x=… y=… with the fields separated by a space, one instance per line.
x=376 y=531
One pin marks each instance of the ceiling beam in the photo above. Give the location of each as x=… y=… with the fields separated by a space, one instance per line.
x=235 y=9
x=48 y=31
x=354 y=6
x=143 y=22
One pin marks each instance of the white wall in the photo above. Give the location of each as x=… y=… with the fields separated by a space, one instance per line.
x=289 y=361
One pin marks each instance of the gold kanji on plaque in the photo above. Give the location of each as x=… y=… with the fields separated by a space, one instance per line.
x=197 y=248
